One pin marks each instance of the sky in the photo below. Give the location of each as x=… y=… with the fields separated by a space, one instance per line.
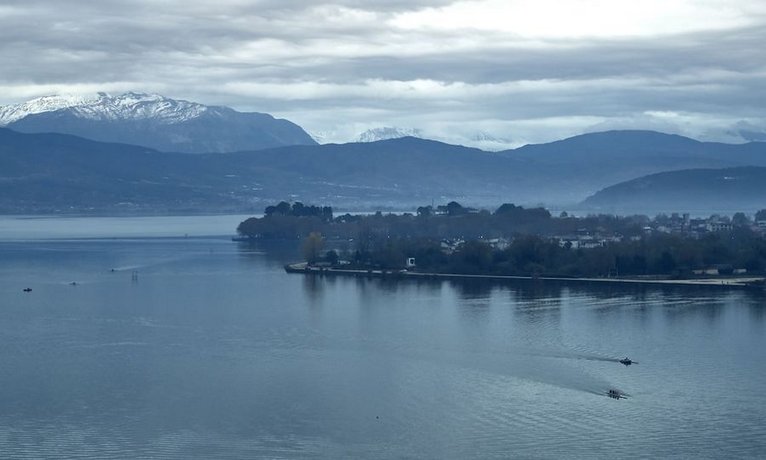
x=491 y=73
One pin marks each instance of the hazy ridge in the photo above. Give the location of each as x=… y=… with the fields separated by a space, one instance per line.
x=61 y=173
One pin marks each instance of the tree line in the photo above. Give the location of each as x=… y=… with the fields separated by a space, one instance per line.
x=534 y=255
x=385 y=241
x=451 y=221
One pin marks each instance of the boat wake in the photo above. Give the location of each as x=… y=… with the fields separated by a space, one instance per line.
x=523 y=366
x=566 y=354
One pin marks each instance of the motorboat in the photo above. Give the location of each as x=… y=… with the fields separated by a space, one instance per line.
x=615 y=394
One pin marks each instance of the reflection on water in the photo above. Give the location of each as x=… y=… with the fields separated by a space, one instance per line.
x=217 y=353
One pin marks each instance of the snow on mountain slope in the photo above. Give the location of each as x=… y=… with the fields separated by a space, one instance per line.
x=480 y=139
x=11 y=113
x=154 y=121
x=103 y=106
x=381 y=134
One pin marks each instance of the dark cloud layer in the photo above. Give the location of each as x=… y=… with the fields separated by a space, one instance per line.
x=344 y=66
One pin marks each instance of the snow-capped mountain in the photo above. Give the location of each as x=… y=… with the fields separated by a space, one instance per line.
x=152 y=120
x=323 y=137
x=102 y=106
x=11 y=113
x=480 y=139
x=486 y=141
x=381 y=134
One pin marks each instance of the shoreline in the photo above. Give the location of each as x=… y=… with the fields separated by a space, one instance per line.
x=754 y=282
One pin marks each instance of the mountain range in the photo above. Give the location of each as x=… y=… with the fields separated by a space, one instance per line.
x=53 y=173
x=131 y=153
x=154 y=121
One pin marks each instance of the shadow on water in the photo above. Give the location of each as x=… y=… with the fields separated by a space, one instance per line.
x=473 y=289
x=475 y=297
x=756 y=301
x=370 y=285
x=758 y=310
x=533 y=290
x=641 y=293
x=313 y=286
x=522 y=289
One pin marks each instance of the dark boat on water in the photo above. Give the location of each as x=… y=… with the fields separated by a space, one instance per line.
x=615 y=394
x=627 y=361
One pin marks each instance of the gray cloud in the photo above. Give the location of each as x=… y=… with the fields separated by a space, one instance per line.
x=345 y=66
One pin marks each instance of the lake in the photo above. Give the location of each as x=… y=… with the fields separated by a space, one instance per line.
x=175 y=342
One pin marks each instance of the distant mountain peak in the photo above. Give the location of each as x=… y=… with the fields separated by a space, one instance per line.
x=11 y=113
x=322 y=137
x=154 y=121
x=487 y=141
x=626 y=135
x=104 y=106
x=387 y=132
x=481 y=136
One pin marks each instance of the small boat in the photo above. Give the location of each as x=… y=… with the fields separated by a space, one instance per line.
x=627 y=361
x=615 y=394
x=27 y=289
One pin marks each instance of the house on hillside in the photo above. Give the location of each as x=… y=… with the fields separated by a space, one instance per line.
x=719 y=226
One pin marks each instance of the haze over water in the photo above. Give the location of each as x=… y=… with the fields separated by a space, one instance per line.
x=198 y=347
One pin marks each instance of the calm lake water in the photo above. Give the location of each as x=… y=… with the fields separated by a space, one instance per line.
x=198 y=347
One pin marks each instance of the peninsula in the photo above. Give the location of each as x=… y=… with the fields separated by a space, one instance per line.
x=512 y=242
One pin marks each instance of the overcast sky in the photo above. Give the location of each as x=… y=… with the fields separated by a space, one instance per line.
x=519 y=70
